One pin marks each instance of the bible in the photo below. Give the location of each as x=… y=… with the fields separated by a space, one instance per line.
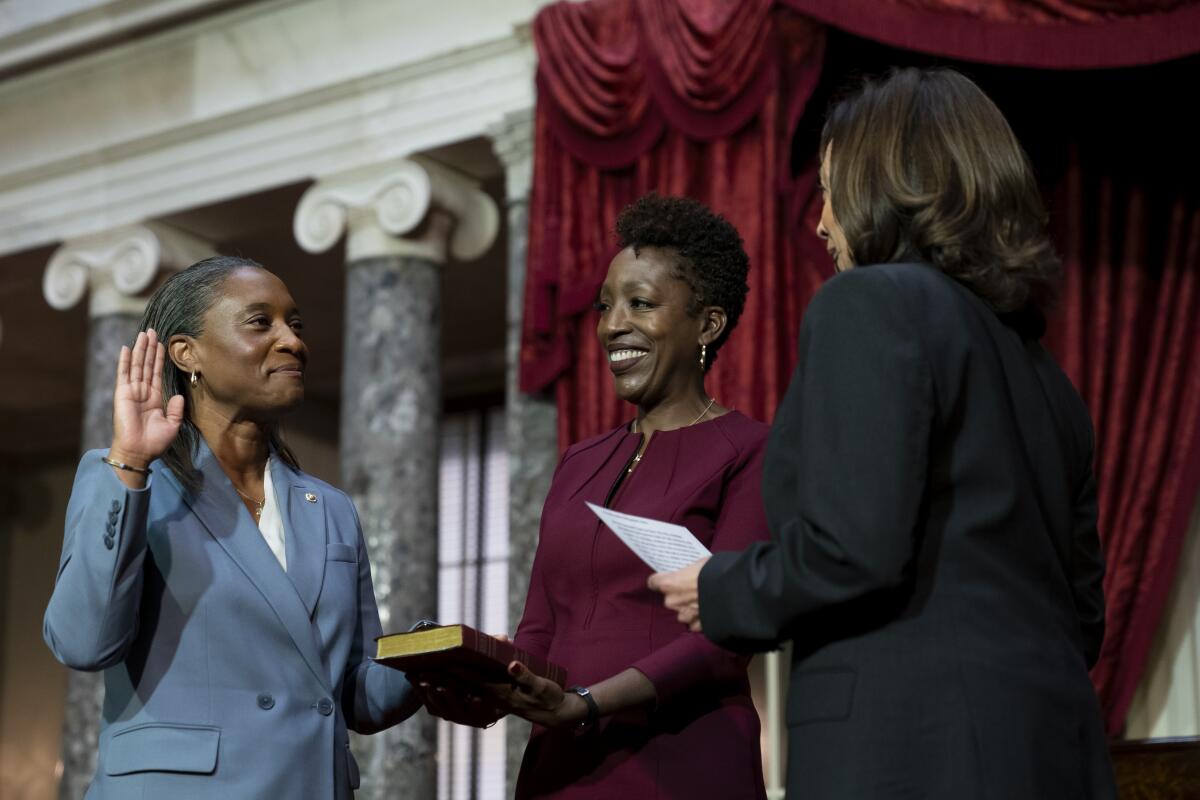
x=461 y=652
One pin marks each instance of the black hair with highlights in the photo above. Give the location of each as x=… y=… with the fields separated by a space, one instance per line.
x=924 y=167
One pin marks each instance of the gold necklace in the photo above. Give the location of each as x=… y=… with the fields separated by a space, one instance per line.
x=690 y=424
x=258 y=504
x=637 y=458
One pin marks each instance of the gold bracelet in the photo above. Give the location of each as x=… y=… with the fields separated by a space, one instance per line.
x=128 y=467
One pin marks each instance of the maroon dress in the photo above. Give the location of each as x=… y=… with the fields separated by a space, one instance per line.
x=589 y=610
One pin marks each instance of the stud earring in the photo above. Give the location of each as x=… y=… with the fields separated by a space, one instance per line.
x=703 y=354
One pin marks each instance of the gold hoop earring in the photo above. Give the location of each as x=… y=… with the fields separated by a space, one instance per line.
x=193 y=379
x=703 y=354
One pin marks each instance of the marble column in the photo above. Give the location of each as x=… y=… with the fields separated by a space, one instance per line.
x=116 y=269
x=402 y=220
x=532 y=420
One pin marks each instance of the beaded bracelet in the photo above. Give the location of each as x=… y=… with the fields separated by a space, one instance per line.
x=128 y=467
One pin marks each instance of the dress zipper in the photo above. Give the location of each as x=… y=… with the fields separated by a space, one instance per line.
x=612 y=493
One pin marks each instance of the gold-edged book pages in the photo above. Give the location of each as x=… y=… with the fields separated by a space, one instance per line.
x=462 y=653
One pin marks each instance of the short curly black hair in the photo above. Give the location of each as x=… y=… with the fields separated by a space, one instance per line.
x=711 y=258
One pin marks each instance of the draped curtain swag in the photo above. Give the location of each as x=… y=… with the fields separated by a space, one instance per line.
x=703 y=98
x=684 y=98
x=1048 y=34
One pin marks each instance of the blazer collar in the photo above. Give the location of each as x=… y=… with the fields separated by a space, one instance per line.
x=302 y=508
x=292 y=597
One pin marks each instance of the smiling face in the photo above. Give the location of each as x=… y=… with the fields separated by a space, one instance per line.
x=828 y=228
x=250 y=357
x=651 y=339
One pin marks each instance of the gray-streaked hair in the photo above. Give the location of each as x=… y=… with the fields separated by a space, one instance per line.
x=177 y=308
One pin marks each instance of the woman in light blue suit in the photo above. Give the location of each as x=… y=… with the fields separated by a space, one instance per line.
x=227 y=596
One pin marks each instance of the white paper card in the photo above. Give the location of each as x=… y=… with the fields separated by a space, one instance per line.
x=665 y=546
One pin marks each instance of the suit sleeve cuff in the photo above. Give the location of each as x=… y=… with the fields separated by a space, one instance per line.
x=717 y=615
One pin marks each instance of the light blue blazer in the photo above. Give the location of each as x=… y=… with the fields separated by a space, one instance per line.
x=224 y=676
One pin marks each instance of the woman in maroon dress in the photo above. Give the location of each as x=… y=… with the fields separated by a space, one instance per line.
x=658 y=712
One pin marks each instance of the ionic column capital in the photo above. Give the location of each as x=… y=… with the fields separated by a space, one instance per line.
x=512 y=140
x=118 y=266
x=411 y=206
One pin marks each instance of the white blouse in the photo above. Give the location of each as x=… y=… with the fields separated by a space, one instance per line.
x=270 y=523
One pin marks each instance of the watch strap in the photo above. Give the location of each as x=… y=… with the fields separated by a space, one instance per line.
x=593 y=710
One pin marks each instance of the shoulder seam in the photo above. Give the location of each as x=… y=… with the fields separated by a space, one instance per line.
x=587 y=444
x=911 y=317
x=739 y=448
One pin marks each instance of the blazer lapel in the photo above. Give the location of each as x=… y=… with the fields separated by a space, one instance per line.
x=228 y=521
x=302 y=508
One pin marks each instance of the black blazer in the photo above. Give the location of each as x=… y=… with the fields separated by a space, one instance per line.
x=935 y=559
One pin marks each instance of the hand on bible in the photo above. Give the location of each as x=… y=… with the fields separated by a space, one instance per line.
x=455 y=701
x=681 y=592
x=542 y=702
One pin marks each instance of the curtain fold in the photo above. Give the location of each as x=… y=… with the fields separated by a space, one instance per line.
x=1048 y=34
x=1128 y=334
x=616 y=73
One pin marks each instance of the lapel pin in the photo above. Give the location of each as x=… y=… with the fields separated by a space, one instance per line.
x=310 y=497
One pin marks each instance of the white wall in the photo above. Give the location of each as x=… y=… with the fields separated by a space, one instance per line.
x=262 y=95
x=1167 y=702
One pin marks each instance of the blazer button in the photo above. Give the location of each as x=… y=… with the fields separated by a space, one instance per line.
x=266 y=702
x=325 y=706
x=108 y=542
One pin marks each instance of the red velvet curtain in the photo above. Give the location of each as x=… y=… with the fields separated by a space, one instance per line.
x=695 y=99
x=1051 y=34
x=1126 y=217
x=703 y=98
x=1129 y=336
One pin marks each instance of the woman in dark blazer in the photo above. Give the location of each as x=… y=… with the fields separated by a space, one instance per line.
x=935 y=560
x=656 y=711
x=225 y=594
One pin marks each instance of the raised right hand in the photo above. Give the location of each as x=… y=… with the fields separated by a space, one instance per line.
x=141 y=431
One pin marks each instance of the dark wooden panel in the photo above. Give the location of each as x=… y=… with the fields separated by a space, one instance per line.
x=1158 y=769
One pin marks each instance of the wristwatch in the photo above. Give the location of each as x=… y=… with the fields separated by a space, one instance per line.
x=593 y=710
